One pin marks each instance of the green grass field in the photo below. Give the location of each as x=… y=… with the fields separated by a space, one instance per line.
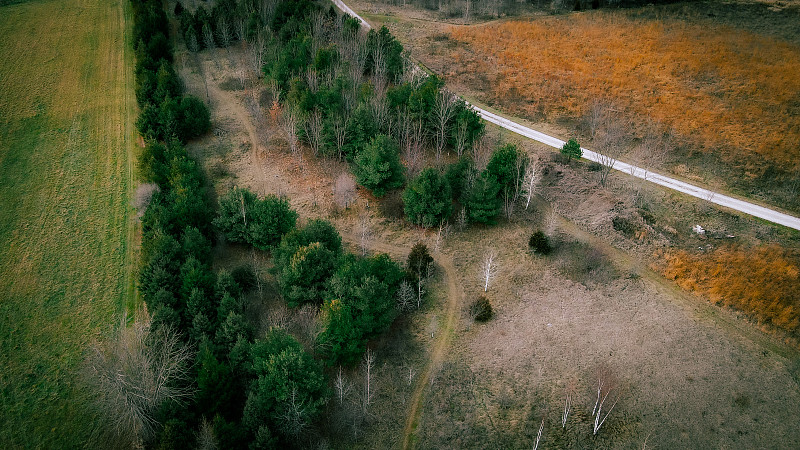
x=67 y=114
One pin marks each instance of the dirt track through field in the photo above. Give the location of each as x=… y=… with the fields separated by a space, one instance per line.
x=440 y=347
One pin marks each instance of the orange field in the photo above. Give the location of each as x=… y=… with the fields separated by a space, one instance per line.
x=729 y=90
x=763 y=282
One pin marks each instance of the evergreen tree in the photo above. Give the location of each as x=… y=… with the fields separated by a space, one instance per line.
x=428 y=199
x=303 y=278
x=484 y=203
x=378 y=166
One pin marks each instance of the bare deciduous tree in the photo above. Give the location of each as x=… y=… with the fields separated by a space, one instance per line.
x=531 y=181
x=605 y=388
x=142 y=196
x=364 y=233
x=342 y=385
x=294 y=417
x=256 y=53
x=312 y=80
x=291 y=121
x=405 y=297
x=379 y=108
x=443 y=110
x=344 y=190
x=308 y=325
x=481 y=153
x=278 y=317
x=340 y=133
x=205 y=436
x=134 y=373
x=313 y=127
x=368 y=364
x=488 y=268
x=607 y=135
x=412 y=134
x=461 y=219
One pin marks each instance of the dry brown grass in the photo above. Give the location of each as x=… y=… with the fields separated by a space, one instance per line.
x=683 y=377
x=763 y=282
x=726 y=88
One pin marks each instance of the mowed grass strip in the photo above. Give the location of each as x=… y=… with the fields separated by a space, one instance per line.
x=66 y=139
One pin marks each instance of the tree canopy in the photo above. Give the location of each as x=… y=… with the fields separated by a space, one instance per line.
x=427 y=199
x=377 y=167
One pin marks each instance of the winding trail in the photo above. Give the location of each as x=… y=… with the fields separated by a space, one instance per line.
x=443 y=337
x=438 y=353
x=717 y=198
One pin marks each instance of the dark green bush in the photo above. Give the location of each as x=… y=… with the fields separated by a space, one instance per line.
x=480 y=309
x=540 y=243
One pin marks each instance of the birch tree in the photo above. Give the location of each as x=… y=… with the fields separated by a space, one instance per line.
x=606 y=397
x=531 y=181
x=341 y=385
x=488 y=268
x=368 y=364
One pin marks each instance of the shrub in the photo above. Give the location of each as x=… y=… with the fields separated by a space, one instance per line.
x=572 y=149
x=540 y=243
x=480 y=309
x=624 y=226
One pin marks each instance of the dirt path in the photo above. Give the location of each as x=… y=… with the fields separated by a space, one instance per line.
x=440 y=347
x=234 y=107
x=443 y=337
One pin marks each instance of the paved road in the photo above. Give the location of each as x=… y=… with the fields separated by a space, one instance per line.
x=662 y=180
x=638 y=172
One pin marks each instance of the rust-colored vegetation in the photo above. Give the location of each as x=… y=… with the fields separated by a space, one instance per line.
x=763 y=282
x=729 y=90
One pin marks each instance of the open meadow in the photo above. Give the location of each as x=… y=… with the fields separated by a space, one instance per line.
x=66 y=267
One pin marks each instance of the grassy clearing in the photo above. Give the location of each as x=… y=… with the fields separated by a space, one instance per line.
x=67 y=135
